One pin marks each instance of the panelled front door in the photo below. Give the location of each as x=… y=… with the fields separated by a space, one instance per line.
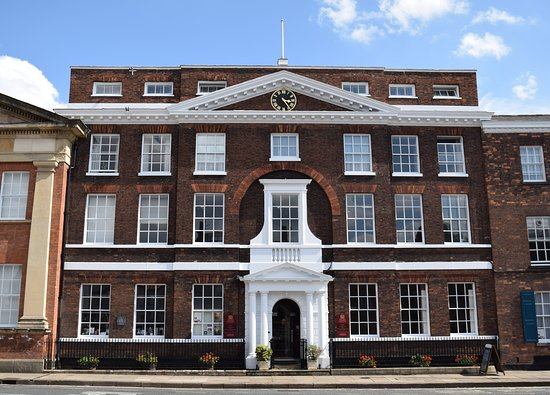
x=286 y=330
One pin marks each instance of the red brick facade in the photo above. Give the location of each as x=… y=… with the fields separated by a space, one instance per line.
x=492 y=208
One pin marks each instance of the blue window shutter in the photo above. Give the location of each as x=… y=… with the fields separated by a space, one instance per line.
x=529 y=315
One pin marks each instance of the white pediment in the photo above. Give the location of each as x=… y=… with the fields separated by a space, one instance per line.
x=282 y=79
x=287 y=272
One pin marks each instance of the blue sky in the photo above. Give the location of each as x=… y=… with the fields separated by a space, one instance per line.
x=506 y=41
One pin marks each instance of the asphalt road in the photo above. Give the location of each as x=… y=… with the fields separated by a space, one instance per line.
x=8 y=389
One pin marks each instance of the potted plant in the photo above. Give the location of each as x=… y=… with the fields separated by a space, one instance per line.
x=88 y=362
x=420 y=360
x=466 y=360
x=313 y=351
x=367 y=361
x=263 y=356
x=148 y=359
x=209 y=359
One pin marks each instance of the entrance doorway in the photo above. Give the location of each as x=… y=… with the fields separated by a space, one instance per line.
x=286 y=330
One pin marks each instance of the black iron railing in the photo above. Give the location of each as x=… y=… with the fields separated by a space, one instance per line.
x=171 y=353
x=396 y=351
x=303 y=353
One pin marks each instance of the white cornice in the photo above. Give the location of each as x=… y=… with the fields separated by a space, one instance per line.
x=523 y=126
x=156 y=117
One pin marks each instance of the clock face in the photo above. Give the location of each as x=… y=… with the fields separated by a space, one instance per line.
x=283 y=100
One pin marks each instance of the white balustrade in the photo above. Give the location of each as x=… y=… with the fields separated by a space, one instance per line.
x=285 y=254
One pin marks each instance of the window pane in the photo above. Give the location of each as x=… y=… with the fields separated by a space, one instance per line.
x=207 y=310
x=13 y=195
x=414 y=309
x=363 y=300
x=209 y=217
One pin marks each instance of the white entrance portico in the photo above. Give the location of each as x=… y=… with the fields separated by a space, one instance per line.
x=286 y=267
x=305 y=287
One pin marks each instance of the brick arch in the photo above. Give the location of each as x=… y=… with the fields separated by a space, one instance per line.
x=277 y=166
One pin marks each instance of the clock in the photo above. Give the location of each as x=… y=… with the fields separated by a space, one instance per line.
x=283 y=100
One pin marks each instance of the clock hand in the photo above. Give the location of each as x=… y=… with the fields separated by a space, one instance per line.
x=286 y=101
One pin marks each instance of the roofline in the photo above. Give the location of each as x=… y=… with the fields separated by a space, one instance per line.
x=274 y=67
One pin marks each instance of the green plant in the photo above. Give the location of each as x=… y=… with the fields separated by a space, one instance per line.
x=367 y=361
x=263 y=353
x=209 y=359
x=313 y=351
x=88 y=362
x=466 y=360
x=147 y=358
x=420 y=360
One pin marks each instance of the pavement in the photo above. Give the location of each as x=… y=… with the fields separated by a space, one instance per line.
x=363 y=378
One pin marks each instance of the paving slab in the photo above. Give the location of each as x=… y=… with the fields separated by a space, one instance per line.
x=170 y=379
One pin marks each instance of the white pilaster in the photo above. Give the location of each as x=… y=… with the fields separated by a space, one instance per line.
x=36 y=283
x=263 y=311
x=309 y=317
x=324 y=359
x=251 y=358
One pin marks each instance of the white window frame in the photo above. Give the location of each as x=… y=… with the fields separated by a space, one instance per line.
x=450 y=152
x=357 y=155
x=150 y=313
x=448 y=88
x=349 y=87
x=100 y=311
x=162 y=150
x=404 y=87
x=160 y=86
x=468 y=306
x=199 y=314
x=357 y=207
x=10 y=294
x=538 y=235
x=214 y=218
x=218 y=85
x=14 y=193
x=532 y=163
x=105 y=151
x=210 y=154
x=291 y=204
x=278 y=136
x=363 y=306
x=542 y=308
x=456 y=213
x=102 y=217
x=403 y=204
x=401 y=145
x=104 y=85
x=423 y=309
x=157 y=216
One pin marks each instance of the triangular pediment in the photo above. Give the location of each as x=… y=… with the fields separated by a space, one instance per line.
x=14 y=111
x=287 y=272
x=333 y=96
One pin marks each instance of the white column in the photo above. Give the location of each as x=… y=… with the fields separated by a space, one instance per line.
x=322 y=321
x=309 y=322
x=252 y=323
x=263 y=309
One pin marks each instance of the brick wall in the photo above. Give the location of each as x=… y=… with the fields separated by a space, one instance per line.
x=185 y=82
x=510 y=202
x=179 y=291
x=321 y=154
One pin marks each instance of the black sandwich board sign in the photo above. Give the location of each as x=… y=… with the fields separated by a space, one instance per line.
x=490 y=354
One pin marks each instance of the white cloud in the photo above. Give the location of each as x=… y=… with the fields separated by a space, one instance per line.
x=478 y=46
x=365 y=34
x=411 y=15
x=528 y=90
x=505 y=106
x=340 y=12
x=493 y=16
x=392 y=16
x=24 y=81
